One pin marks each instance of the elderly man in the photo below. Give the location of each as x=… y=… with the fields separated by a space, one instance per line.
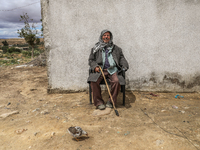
x=110 y=58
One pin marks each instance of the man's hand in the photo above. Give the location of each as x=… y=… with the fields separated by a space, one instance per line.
x=97 y=69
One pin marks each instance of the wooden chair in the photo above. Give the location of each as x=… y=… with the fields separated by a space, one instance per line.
x=103 y=83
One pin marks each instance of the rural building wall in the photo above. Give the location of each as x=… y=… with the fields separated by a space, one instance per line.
x=160 y=39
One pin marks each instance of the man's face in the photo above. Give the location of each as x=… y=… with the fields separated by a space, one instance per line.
x=106 y=37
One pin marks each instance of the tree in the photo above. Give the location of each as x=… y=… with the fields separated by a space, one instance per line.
x=37 y=41
x=5 y=43
x=5 y=46
x=41 y=28
x=28 y=32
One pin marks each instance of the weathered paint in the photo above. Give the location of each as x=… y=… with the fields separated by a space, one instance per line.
x=159 y=38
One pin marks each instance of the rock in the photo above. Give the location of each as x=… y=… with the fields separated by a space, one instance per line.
x=20 y=131
x=57 y=117
x=101 y=112
x=33 y=89
x=182 y=111
x=37 y=109
x=53 y=133
x=35 y=133
x=2 y=106
x=158 y=142
x=9 y=114
x=64 y=121
x=44 y=105
x=44 y=112
x=39 y=61
x=21 y=66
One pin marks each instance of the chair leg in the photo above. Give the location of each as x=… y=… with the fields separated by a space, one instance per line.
x=123 y=88
x=90 y=92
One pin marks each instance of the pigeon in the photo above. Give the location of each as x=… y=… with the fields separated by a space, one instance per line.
x=77 y=132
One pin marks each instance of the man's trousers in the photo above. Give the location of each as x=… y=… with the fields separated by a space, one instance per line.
x=96 y=89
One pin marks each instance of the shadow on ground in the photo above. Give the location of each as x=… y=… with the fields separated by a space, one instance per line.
x=81 y=138
x=130 y=98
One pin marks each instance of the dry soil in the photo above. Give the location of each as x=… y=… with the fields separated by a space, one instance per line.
x=41 y=120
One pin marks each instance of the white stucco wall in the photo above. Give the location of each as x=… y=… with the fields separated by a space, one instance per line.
x=160 y=39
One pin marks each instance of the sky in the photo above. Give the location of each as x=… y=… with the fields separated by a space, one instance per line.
x=10 y=11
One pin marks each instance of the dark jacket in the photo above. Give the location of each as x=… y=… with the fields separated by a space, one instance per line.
x=96 y=60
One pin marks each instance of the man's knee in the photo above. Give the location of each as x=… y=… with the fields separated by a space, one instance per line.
x=115 y=80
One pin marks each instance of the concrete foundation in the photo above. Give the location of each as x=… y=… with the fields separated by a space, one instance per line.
x=159 y=38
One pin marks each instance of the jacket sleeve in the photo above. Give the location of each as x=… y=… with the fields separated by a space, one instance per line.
x=123 y=62
x=92 y=60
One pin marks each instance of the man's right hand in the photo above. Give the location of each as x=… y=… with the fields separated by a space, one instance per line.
x=97 y=69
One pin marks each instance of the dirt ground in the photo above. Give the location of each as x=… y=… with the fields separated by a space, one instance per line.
x=147 y=122
x=13 y=41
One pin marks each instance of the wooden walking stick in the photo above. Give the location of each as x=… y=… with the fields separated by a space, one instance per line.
x=116 y=112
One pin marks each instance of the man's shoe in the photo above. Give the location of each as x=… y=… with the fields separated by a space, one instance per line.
x=101 y=107
x=109 y=104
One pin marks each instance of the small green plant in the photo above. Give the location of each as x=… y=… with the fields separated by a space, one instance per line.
x=37 y=52
x=26 y=53
x=22 y=45
x=1 y=54
x=8 y=55
x=14 y=61
x=13 y=50
x=4 y=48
x=3 y=62
x=8 y=62
x=16 y=52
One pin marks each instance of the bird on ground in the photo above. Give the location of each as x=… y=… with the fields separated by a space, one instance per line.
x=77 y=132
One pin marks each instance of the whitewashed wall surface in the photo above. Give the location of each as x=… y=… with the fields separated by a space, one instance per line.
x=159 y=38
